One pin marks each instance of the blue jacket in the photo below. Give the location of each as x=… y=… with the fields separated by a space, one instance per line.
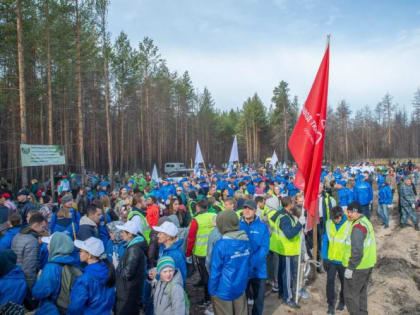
x=89 y=294
x=292 y=189
x=259 y=238
x=229 y=267
x=6 y=240
x=103 y=232
x=345 y=196
x=385 y=195
x=112 y=248
x=13 y=286
x=175 y=251
x=362 y=192
x=64 y=225
x=47 y=287
x=325 y=242
x=43 y=255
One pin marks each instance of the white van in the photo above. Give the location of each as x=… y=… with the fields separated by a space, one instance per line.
x=173 y=166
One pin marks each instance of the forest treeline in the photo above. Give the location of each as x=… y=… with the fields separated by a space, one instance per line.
x=116 y=106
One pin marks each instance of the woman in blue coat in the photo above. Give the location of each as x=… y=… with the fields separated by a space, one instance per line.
x=12 y=281
x=94 y=291
x=172 y=246
x=47 y=288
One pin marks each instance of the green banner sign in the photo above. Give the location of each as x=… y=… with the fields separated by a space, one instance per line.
x=42 y=155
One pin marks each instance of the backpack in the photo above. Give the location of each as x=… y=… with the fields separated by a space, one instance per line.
x=186 y=299
x=69 y=274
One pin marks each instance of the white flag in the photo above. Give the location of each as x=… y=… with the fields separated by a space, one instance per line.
x=198 y=159
x=274 y=159
x=234 y=157
x=155 y=176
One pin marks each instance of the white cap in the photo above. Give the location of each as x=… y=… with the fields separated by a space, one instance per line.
x=92 y=245
x=167 y=228
x=129 y=226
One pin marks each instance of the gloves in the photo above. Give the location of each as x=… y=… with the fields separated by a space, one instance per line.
x=348 y=273
x=413 y=206
x=189 y=260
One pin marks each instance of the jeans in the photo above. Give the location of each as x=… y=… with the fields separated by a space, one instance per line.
x=256 y=291
x=366 y=211
x=384 y=213
x=332 y=271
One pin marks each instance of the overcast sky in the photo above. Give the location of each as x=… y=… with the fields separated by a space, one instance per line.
x=238 y=47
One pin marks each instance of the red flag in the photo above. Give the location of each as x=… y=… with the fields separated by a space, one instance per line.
x=306 y=144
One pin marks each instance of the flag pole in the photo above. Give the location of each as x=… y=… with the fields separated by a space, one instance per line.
x=302 y=237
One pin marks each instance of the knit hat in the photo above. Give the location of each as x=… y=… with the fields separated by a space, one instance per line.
x=7 y=261
x=227 y=221
x=165 y=262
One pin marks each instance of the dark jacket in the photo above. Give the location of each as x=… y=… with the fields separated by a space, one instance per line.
x=130 y=275
x=26 y=247
x=87 y=228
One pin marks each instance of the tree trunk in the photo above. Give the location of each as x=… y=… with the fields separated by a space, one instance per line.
x=79 y=95
x=49 y=97
x=22 y=102
x=107 y=118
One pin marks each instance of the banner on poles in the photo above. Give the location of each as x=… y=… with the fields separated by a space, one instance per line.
x=42 y=155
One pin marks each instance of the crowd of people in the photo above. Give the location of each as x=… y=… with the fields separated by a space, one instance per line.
x=100 y=250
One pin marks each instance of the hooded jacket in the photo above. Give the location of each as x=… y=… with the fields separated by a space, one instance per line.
x=168 y=297
x=130 y=275
x=87 y=228
x=6 y=240
x=26 y=247
x=177 y=255
x=229 y=266
x=12 y=280
x=47 y=288
x=259 y=238
x=89 y=294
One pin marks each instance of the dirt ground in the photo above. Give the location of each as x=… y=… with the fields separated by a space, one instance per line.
x=394 y=287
